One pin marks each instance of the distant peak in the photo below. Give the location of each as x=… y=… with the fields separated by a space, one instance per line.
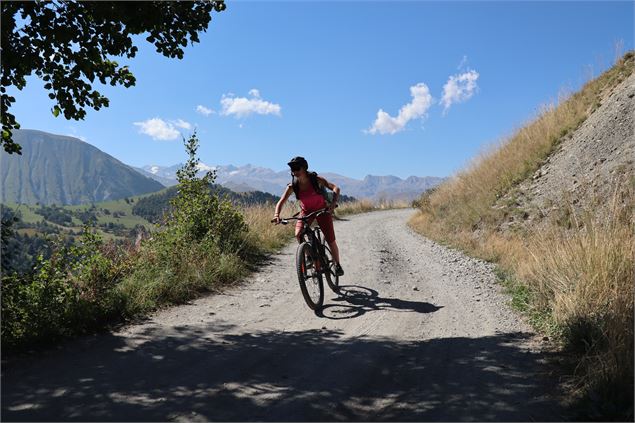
x=204 y=167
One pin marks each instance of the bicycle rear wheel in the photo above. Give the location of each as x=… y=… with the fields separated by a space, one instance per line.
x=310 y=279
x=331 y=271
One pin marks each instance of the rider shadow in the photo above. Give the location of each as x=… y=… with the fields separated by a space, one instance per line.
x=356 y=301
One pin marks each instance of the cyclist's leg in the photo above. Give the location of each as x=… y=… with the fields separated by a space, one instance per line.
x=298 y=229
x=335 y=251
x=326 y=224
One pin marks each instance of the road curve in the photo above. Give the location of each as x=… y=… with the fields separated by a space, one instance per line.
x=420 y=332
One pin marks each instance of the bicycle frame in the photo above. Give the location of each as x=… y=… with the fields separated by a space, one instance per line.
x=311 y=235
x=312 y=243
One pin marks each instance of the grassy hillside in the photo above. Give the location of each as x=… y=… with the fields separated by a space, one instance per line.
x=574 y=275
x=112 y=219
x=116 y=219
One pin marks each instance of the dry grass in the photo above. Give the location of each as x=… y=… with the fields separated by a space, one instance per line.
x=363 y=206
x=264 y=234
x=585 y=277
x=578 y=277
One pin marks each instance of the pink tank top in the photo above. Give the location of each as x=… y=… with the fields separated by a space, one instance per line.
x=310 y=200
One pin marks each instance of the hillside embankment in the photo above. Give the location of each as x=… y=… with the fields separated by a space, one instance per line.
x=552 y=206
x=586 y=167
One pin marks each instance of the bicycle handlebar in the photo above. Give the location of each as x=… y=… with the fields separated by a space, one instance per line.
x=303 y=218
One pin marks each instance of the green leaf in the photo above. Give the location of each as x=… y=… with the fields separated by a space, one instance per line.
x=56 y=111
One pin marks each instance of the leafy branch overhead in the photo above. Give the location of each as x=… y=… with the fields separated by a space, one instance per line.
x=70 y=44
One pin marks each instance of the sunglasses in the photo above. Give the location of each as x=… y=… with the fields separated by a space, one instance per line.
x=295 y=168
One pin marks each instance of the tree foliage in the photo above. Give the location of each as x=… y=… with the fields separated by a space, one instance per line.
x=69 y=44
x=198 y=214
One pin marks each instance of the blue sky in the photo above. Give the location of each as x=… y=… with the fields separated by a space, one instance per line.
x=308 y=78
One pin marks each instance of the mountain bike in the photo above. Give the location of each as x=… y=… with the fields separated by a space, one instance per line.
x=313 y=258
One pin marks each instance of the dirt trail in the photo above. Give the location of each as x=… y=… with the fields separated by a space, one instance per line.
x=420 y=332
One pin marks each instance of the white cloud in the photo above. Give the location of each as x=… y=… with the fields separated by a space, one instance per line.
x=417 y=108
x=463 y=62
x=205 y=111
x=459 y=88
x=243 y=106
x=158 y=129
x=182 y=124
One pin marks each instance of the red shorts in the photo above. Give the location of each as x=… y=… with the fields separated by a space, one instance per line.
x=326 y=224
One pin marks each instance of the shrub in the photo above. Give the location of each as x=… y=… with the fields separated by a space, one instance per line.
x=199 y=247
x=69 y=293
x=198 y=215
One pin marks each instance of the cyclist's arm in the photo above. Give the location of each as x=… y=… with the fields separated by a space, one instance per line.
x=283 y=199
x=332 y=187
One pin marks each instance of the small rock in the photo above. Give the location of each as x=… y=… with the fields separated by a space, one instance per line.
x=414 y=288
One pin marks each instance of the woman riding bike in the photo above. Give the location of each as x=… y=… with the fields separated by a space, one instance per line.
x=308 y=188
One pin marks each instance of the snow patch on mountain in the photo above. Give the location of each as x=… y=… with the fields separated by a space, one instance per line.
x=250 y=177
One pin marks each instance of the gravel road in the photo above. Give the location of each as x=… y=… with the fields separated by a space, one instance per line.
x=419 y=332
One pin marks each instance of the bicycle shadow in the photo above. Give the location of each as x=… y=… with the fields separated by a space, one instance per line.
x=360 y=300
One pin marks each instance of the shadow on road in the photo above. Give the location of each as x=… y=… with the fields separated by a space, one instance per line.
x=355 y=301
x=207 y=373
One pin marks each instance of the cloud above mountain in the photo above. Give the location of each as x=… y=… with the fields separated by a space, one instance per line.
x=161 y=130
x=459 y=88
x=416 y=109
x=241 y=107
x=180 y=123
x=205 y=111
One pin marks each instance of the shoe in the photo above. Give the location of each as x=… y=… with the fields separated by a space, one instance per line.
x=339 y=271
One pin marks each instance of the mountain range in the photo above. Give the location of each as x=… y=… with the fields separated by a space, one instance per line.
x=58 y=169
x=251 y=178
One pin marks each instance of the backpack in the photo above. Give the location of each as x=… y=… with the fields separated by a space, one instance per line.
x=317 y=186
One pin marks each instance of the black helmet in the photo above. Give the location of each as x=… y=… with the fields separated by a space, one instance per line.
x=301 y=161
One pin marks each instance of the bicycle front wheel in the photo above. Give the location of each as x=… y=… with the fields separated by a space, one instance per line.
x=308 y=276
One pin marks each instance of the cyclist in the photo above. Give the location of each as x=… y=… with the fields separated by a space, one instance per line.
x=309 y=189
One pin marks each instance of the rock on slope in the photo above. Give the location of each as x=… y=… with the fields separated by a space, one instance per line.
x=588 y=165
